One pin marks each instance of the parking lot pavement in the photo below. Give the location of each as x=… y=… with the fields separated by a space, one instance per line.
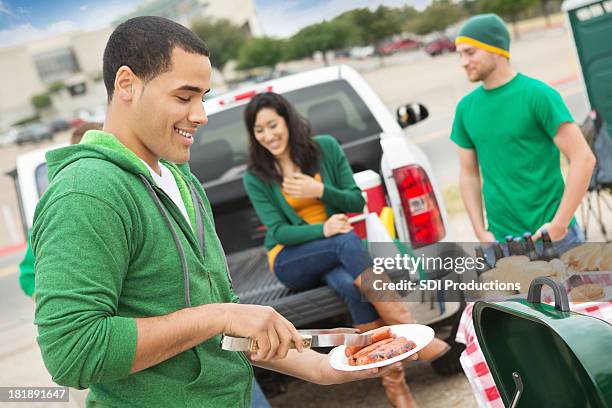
x=20 y=360
x=429 y=389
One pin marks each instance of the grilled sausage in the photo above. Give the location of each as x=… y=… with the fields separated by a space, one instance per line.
x=385 y=351
x=367 y=349
x=377 y=335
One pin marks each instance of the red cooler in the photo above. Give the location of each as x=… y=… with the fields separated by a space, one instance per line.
x=371 y=184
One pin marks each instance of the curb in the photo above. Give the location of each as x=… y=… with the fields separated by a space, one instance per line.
x=7 y=250
x=564 y=80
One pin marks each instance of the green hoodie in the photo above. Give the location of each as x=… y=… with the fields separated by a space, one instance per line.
x=110 y=246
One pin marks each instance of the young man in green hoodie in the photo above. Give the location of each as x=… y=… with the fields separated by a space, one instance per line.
x=132 y=287
x=511 y=129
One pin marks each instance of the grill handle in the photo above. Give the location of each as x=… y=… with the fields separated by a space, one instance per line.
x=518 y=392
x=535 y=292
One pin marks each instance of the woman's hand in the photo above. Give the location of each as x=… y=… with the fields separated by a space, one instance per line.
x=336 y=224
x=302 y=186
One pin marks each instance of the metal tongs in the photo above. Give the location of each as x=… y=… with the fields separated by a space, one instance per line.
x=310 y=339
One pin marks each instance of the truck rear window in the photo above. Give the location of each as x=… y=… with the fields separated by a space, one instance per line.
x=333 y=108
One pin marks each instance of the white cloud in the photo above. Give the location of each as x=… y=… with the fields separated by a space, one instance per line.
x=26 y=32
x=284 y=19
x=61 y=27
x=101 y=14
x=97 y=16
x=4 y=9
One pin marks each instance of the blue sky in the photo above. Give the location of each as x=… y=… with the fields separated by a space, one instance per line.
x=25 y=20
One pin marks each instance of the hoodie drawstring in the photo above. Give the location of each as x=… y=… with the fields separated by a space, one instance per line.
x=179 y=247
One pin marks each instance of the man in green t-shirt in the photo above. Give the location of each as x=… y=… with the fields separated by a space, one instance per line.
x=511 y=128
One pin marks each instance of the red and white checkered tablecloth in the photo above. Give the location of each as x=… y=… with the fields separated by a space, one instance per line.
x=473 y=361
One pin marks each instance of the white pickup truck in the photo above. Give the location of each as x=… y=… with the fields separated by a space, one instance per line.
x=337 y=101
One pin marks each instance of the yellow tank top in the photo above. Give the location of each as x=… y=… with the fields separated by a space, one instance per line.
x=311 y=210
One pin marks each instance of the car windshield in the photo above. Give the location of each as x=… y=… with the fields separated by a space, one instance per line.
x=221 y=147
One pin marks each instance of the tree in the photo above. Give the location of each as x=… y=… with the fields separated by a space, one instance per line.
x=546 y=7
x=325 y=36
x=383 y=23
x=222 y=38
x=438 y=16
x=371 y=28
x=41 y=101
x=260 y=52
x=507 y=9
x=56 y=87
x=408 y=18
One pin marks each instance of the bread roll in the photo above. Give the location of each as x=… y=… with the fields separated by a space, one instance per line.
x=605 y=263
x=559 y=268
x=583 y=256
x=586 y=293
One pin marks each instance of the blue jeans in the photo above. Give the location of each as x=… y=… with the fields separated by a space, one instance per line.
x=258 y=399
x=574 y=237
x=336 y=261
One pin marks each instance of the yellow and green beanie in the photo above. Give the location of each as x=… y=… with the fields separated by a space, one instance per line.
x=487 y=32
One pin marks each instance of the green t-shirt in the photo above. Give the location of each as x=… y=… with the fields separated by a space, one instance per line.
x=512 y=127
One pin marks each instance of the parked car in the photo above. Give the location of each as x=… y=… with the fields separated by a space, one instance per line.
x=59 y=125
x=362 y=52
x=97 y=114
x=33 y=132
x=9 y=137
x=403 y=44
x=343 y=53
x=440 y=46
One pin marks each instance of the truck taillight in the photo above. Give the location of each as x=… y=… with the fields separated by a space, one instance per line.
x=244 y=95
x=420 y=206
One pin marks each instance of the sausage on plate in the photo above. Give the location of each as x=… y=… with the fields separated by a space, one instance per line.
x=382 y=351
x=377 y=335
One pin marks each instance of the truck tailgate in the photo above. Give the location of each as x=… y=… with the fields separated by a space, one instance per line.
x=255 y=284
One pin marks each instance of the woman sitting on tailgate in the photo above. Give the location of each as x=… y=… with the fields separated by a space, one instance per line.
x=301 y=187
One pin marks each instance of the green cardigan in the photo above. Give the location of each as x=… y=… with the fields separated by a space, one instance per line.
x=284 y=226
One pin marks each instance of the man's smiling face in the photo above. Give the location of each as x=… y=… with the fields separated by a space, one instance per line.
x=167 y=110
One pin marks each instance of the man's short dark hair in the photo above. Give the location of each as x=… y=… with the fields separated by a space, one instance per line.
x=145 y=45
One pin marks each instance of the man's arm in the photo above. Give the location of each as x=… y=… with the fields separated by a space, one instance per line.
x=163 y=337
x=571 y=143
x=471 y=192
x=314 y=367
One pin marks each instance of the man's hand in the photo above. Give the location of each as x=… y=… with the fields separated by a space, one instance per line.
x=329 y=375
x=336 y=224
x=557 y=232
x=485 y=236
x=303 y=186
x=272 y=332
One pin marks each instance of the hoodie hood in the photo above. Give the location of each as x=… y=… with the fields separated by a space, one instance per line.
x=102 y=145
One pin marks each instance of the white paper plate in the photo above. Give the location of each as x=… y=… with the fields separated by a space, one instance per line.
x=421 y=335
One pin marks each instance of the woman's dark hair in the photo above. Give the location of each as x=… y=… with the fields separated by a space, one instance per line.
x=304 y=151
